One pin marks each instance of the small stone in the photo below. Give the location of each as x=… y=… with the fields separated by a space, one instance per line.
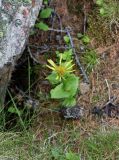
x=75 y=112
x=82 y=48
x=97 y=111
x=58 y=37
x=31 y=103
x=115 y=86
x=84 y=88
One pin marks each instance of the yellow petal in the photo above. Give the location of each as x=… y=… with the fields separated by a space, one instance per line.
x=51 y=62
x=68 y=63
x=71 y=71
x=60 y=59
x=50 y=67
x=70 y=67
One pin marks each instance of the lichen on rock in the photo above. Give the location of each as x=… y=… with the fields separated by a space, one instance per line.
x=16 y=19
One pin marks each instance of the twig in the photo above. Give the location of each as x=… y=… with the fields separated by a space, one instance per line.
x=22 y=93
x=57 y=30
x=53 y=20
x=85 y=20
x=46 y=48
x=32 y=57
x=76 y=57
x=109 y=94
x=112 y=99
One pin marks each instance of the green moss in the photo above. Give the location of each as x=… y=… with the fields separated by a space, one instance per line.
x=109 y=9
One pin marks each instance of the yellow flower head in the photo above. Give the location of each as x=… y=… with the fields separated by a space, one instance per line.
x=62 y=68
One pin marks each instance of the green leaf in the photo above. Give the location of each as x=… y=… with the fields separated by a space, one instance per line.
x=58 y=92
x=71 y=84
x=66 y=89
x=69 y=102
x=67 y=55
x=52 y=78
x=46 y=13
x=57 y=53
x=72 y=156
x=86 y=39
x=102 y=11
x=13 y=110
x=79 y=35
x=45 y=2
x=55 y=153
x=99 y=2
x=42 y=26
x=66 y=39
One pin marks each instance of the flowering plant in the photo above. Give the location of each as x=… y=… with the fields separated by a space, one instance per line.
x=66 y=83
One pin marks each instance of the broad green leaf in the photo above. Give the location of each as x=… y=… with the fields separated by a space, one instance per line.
x=71 y=84
x=52 y=78
x=58 y=92
x=66 y=89
x=42 y=26
x=46 y=13
x=69 y=102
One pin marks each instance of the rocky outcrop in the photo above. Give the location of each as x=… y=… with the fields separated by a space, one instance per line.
x=16 y=19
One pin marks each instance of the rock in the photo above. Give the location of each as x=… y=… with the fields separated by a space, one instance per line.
x=75 y=112
x=109 y=110
x=31 y=103
x=97 y=111
x=115 y=86
x=16 y=20
x=84 y=88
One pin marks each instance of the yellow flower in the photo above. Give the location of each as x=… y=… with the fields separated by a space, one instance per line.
x=61 y=69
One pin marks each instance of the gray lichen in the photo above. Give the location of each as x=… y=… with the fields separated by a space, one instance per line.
x=16 y=19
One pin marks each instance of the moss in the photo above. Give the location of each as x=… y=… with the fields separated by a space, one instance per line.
x=99 y=30
x=77 y=6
